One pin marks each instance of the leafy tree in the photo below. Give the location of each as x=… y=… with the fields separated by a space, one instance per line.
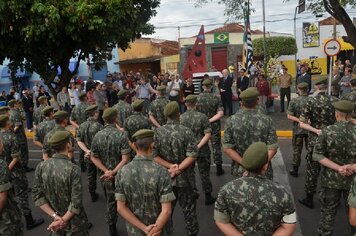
x=275 y=46
x=41 y=35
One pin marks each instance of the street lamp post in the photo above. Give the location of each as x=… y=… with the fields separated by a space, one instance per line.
x=264 y=34
x=295 y=37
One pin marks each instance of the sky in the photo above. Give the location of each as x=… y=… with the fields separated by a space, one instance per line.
x=174 y=13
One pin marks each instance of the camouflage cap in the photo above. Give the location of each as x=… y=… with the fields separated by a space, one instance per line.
x=207 y=82
x=322 y=80
x=60 y=114
x=143 y=133
x=161 y=88
x=47 y=110
x=59 y=137
x=344 y=106
x=122 y=93
x=137 y=104
x=171 y=108
x=255 y=156
x=12 y=102
x=42 y=99
x=91 y=108
x=191 y=99
x=3 y=119
x=249 y=94
x=303 y=85
x=109 y=113
x=82 y=95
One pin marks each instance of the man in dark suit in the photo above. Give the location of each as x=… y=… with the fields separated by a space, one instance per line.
x=242 y=81
x=226 y=92
x=27 y=102
x=304 y=77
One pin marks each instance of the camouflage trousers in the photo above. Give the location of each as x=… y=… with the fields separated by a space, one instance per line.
x=81 y=156
x=204 y=172
x=24 y=153
x=20 y=183
x=297 y=143
x=63 y=233
x=187 y=200
x=109 y=191
x=92 y=175
x=312 y=172
x=329 y=202
x=216 y=142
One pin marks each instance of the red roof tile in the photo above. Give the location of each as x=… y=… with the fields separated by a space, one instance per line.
x=232 y=28
x=329 y=21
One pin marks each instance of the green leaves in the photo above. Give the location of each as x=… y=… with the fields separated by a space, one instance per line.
x=275 y=46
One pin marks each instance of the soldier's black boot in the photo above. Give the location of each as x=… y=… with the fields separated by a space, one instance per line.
x=94 y=196
x=294 y=171
x=308 y=201
x=209 y=199
x=83 y=167
x=112 y=230
x=219 y=170
x=32 y=223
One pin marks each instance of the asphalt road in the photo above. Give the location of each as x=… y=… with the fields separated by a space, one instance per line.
x=308 y=218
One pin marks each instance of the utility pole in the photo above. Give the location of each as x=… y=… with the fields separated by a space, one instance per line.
x=264 y=34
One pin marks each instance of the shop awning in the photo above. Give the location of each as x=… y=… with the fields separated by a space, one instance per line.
x=344 y=46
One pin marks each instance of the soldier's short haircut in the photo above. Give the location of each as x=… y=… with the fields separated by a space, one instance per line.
x=61 y=147
x=174 y=116
x=144 y=144
x=208 y=86
x=110 y=120
x=322 y=86
x=249 y=104
x=353 y=83
x=59 y=120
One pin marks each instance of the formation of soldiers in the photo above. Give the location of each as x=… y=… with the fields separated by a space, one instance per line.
x=146 y=163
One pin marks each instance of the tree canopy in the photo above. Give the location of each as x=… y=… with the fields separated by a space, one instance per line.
x=275 y=46
x=41 y=35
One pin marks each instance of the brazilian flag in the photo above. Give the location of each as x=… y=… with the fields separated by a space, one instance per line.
x=221 y=37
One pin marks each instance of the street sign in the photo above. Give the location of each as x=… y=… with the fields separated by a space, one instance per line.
x=332 y=47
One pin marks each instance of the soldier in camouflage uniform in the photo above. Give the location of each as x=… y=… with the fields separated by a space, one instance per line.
x=212 y=107
x=317 y=114
x=57 y=189
x=156 y=199
x=19 y=131
x=334 y=148
x=85 y=135
x=252 y=127
x=18 y=179
x=176 y=149
x=77 y=117
x=295 y=108
x=352 y=202
x=109 y=152
x=44 y=127
x=253 y=204
x=352 y=96
x=199 y=124
x=10 y=217
x=156 y=112
x=123 y=109
x=138 y=120
x=38 y=116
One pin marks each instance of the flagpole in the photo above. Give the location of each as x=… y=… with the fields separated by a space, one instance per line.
x=264 y=34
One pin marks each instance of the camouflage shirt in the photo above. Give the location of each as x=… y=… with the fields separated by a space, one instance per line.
x=199 y=124
x=253 y=204
x=135 y=122
x=319 y=112
x=124 y=110
x=352 y=194
x=337 y=143
x=351 y=97
x=78 y=114
x=58 y=183
x=173 y=143
x=295 y=108
x=144 y=185
x=209 y=104
x=10 y=217
x=157 y=109
x=244 y=128
x=43 y=128
x=109 y=145
x=16 y=120
x=88 y=130
x=46 y=147
x=38 y=115
x=11 y=149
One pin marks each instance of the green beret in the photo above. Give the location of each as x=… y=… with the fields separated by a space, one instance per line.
x=303 y=85
x=321 y=81
x=42 y=99
x=143 y=133
x=191 y=99
x=137 y=104
x=162 y=88
x=344 y=106
x=91 y=108
x=82 y=95
x=207 y=82
x=171 y=108
x=61 y=114
x=3 y=119
x=255 y=156
x=47 y=110
x=4 y=108
x=109 y=113
x=122 y=93
x=59 y=137
x=12 y=102
x=249 y=94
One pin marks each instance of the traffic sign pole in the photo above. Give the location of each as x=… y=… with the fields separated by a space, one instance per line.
x=331 y=48
x=330 y=75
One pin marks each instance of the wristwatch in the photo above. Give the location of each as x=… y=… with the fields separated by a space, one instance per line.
x=54 y=215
